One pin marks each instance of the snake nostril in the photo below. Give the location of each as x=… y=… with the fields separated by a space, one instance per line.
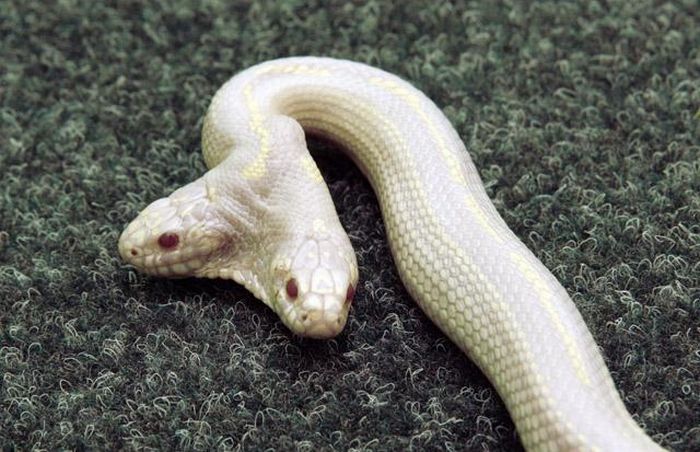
x=304 y=317
x=134 y=252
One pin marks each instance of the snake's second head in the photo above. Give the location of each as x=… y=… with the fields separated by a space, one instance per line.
x=313 y=285
x=177 y=236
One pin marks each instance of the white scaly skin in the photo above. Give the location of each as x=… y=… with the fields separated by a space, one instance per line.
x=259 y=232
x=263 y=216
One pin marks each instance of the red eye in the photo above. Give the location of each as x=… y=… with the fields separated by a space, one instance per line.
x=168 y=240
x=292 y=289
x=350 y=294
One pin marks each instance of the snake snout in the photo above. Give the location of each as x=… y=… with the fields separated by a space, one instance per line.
x=317 y=304
x=128 y=249
x=320 y=324
x=314 y=315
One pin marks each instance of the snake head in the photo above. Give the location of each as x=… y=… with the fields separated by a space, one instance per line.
x=314 y=285
x=177 y=236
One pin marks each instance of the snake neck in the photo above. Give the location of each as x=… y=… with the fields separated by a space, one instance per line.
x=290 y=249
x=456 y=256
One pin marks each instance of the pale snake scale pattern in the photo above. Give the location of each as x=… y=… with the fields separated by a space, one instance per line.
x=263 y=217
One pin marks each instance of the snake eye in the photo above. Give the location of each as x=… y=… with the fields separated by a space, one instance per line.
x=168 y=240
x=350 y=294
x=292 y=288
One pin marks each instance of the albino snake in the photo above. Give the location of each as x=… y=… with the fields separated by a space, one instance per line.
x=263 y=217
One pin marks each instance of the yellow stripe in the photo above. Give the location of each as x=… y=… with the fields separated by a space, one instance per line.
x=286 y=68
x=468 y=269
x=256 y=169
x=450 y=159
x=311 y=169
x=455 y=171
x=545 y=297
x=414 y=102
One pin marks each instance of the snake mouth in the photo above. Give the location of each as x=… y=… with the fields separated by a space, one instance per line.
x=162 y=265
x=183 y=268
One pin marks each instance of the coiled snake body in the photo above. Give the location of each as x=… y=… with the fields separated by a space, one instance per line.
x=263 y=217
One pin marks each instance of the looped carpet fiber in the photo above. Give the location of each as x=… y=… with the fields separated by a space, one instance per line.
x=583 y=118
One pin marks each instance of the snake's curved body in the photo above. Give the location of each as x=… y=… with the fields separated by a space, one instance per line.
x=263 y=217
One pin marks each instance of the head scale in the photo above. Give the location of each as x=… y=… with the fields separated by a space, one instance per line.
x=313 y=281
x=177 y=236
x=298 y=261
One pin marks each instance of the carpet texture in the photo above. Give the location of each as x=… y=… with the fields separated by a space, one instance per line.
x=583 y=118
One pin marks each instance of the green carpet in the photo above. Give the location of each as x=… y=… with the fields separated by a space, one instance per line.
x=582 y=117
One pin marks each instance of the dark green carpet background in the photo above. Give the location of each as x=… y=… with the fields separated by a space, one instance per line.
x=583 y=118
